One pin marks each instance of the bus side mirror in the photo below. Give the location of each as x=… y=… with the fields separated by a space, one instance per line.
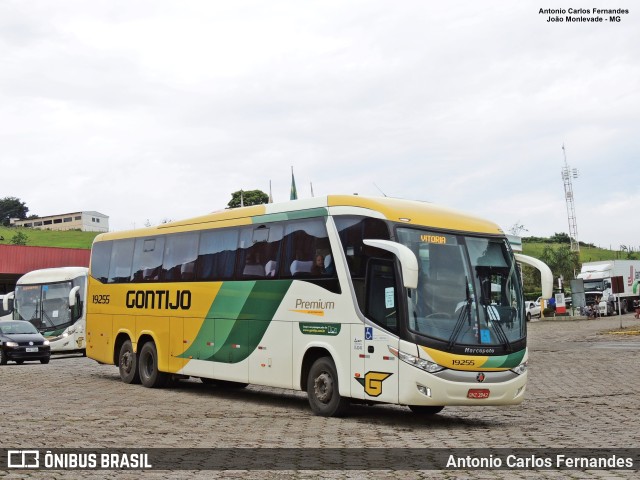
x=73 y=295
x=408 y=260
x=5 y=301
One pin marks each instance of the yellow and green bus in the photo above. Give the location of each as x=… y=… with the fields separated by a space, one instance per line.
x=345 y=297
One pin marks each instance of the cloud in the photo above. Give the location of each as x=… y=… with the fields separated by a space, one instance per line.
x=151 y=110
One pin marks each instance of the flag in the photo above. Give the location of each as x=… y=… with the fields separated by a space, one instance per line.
x=294 y=192
x=270 y=194
x=241 y=199
x=311 y=189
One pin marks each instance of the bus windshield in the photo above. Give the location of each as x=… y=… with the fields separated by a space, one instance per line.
x=45 y=306
x=468 y=291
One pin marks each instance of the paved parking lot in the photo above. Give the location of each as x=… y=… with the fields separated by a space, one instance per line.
x=583 y=392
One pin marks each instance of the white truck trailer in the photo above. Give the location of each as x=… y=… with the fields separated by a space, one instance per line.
x=597 y=284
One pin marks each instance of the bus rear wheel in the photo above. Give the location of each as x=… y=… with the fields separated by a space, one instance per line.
x=150 y=376
x=426 y=409
x=128 y=363
x=323 y=391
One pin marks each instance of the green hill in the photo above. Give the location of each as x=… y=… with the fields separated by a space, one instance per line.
x=49 y=238
x=587 y=253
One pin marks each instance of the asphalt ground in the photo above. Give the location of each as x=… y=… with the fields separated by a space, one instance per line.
x=583 y=392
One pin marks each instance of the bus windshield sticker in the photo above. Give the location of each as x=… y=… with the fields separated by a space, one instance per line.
x=389 y=297
x=485 y=336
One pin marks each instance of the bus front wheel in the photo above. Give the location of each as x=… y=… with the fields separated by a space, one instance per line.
x=322 y=389
x=128 y=363
x=150 y=376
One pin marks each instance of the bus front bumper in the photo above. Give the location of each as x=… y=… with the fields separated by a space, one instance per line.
x=418 y=387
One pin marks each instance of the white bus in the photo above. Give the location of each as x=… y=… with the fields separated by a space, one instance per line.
x=53 y=300
x=344 y=297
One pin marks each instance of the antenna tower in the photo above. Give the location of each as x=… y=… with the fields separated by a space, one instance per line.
x=567 y=175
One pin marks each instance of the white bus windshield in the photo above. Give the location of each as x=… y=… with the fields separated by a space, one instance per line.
x=468 y=291
x=45 y=306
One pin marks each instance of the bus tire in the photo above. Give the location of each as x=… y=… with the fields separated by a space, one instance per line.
x=128 y=363
x=426 y=409
x=323 y=389
x=150 y=376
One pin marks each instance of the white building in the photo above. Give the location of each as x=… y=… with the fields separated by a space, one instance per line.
x=85 y=221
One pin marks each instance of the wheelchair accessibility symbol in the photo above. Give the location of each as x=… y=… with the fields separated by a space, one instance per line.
x=368 y=333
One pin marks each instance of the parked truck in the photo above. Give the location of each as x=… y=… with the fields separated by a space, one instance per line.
x=597 y=284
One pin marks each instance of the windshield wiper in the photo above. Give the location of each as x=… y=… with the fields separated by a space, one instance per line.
x=499 y=331
x=466 y=309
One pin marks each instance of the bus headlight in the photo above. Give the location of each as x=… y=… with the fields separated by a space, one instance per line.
x=520 y=369
x=420 y=363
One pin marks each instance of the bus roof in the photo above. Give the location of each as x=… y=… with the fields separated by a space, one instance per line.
x=50 y=275
x=409 y=212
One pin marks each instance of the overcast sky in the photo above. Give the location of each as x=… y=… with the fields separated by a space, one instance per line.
x=152 y=110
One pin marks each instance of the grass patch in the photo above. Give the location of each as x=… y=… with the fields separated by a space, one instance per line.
x=49 y=238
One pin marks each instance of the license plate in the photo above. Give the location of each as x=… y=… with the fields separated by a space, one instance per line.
x=31 y=349
x=478 y=393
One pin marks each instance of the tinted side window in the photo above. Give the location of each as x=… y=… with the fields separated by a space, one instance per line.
x=121 y=256
x=259 y=251
x=147 y=259
x=307 y=252
x=180 y=255
x=352 y=231
x=100 y=258
x=217 y=254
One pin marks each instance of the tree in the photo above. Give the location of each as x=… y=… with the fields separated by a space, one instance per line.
x=19 y=238
x=249 y=197
x=560 y=238
x=561 y=260
x=12 y=207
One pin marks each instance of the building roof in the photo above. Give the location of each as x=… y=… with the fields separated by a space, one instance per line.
x=18 y=259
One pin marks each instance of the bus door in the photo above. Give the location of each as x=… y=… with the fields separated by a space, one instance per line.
x=380 y=380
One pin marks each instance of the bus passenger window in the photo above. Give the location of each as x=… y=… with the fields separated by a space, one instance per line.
x=120 y=265
x=147 y=259
x=180 y=254
x=217 y=254
x=100 y=258
x=259 y=249
x=306 y=246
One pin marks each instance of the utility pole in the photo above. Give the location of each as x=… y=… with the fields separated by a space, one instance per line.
x=567 y=174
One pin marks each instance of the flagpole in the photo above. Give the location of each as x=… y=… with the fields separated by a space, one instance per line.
x=294 y=193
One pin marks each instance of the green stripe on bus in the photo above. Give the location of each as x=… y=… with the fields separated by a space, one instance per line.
x=505 y=361
x=237 y=320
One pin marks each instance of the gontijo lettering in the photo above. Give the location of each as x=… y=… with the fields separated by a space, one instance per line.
x=159 y=299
